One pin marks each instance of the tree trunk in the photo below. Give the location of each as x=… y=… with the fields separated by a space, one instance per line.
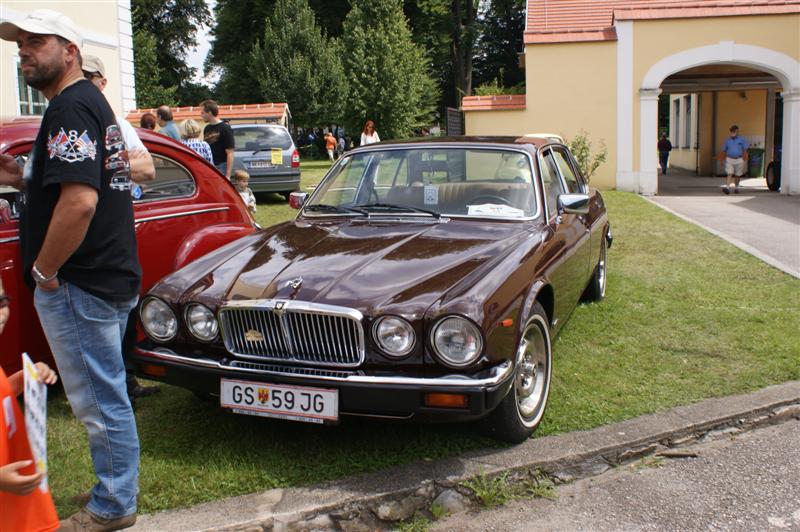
x=462 y=46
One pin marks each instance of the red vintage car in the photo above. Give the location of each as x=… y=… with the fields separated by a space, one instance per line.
x=187 y=211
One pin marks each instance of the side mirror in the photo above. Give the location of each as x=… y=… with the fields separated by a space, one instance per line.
x=297 y=199
x=573 y=203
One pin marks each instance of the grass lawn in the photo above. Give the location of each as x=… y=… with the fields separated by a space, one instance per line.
x=687 y=317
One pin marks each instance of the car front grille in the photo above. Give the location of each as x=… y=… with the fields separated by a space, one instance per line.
x=293 y=331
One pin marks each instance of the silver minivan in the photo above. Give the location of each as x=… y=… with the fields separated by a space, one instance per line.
x=267 y=152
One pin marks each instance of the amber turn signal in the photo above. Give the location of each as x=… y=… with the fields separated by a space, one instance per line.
x=446 y=400
x=507 y=323
x=155 y=371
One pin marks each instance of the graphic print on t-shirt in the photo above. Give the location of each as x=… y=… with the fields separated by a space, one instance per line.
x=71 y=147
x=212 y=136
x=117 y=160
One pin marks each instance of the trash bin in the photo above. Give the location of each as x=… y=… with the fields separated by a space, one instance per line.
x=755 y=164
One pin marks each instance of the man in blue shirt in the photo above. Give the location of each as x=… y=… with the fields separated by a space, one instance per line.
x=167 y=125
x=735 y=152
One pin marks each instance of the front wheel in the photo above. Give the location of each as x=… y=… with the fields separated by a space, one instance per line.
x=518 y=415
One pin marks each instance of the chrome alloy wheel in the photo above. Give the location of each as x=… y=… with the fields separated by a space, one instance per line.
x=532 y=374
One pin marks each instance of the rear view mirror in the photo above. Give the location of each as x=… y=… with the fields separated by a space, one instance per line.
x=573 y=203
x=297 y=199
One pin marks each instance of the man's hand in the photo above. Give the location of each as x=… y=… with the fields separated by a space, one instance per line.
x=142 y=168
x=14 y=482
x=10 y=172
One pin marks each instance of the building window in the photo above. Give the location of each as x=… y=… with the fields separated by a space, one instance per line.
x=31 y=101
x=687 y=123
x=675 y=127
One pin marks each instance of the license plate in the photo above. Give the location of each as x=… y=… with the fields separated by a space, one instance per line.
x=261 y=163
x=297 y=403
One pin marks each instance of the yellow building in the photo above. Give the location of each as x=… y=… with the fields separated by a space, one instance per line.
x=601 y=65
x=108 y=34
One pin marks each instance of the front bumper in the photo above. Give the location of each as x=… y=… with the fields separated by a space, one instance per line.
x=386 y=396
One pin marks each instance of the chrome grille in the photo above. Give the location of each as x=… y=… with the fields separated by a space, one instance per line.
x=293 y=331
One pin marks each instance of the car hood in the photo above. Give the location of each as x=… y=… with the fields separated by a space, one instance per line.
x=372 y=266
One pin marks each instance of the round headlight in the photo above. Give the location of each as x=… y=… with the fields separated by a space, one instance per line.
x=394 y=335
x=158 y=320
x=457 y=341
x=201 y=322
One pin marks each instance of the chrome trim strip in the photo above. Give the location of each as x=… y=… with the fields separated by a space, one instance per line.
x=498 y=374
x=179 y=214
x=9 y=239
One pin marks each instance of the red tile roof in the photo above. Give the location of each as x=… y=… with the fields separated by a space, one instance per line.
x=551 y=21
x=499 y=102
x=251 y=111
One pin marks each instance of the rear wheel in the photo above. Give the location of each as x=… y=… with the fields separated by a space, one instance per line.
x=597 y=285
x=773 y=180
x=518 y=415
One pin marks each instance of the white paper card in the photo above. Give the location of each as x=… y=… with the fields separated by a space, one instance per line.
x=492 y=209
x=36 y=416
x=431 y=195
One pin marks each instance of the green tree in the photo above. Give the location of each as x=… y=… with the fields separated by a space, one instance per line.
x=387 y=73
x=295 y=63
x=500 y=27
x=173 y=24
x=239 y=25
x=149 y=90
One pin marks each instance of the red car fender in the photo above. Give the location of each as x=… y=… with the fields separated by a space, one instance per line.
x=208 y=239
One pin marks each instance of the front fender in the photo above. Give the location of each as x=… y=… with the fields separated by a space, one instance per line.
x=206 y=240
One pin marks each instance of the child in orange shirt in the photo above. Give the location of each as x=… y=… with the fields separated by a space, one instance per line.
x=23 y=507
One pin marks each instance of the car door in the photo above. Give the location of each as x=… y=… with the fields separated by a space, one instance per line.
x=562 y=244
x=574 y=185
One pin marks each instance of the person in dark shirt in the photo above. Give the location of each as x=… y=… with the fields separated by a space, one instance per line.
x=219 y=136
x=79 y=254
x=664 y=147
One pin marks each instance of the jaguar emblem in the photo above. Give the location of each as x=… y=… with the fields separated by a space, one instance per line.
x=295 y=283
x=253 y=336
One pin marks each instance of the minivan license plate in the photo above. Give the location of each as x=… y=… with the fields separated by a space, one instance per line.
x=261 y=163
x=298 y=403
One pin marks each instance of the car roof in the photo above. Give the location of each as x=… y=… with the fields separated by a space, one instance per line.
x=462 y=141
x=24 y=129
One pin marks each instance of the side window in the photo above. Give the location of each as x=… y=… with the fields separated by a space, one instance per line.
x=573 y=185
x=172 y=181
x=578 y=174
x=551 y=182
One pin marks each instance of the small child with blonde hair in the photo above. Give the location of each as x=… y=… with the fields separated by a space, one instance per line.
x=241 y=179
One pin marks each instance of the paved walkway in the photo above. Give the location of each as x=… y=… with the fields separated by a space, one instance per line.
x=759 y=221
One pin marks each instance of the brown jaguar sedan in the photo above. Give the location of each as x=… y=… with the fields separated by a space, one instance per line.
x=420 y=280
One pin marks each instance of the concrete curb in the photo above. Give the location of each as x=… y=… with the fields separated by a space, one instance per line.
x=355 y=503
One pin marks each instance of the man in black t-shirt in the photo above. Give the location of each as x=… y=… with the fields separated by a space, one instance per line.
x=79 y=253
x=219 y=136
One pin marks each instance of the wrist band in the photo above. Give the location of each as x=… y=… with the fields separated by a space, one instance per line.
x=39 y=276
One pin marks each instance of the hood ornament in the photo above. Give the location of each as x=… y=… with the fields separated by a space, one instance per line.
x=295 y=283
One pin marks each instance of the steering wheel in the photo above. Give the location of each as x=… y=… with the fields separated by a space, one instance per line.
x=500 y=199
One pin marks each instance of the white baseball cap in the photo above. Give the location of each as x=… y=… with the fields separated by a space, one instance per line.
x=43 y=22
x=93 y=65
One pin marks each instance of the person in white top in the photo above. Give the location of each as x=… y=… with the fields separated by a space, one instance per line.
x=241 y=179
x=142 y=168
x=369 y=135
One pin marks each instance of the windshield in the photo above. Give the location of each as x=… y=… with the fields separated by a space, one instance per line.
x=253 y=138
x=430 y=181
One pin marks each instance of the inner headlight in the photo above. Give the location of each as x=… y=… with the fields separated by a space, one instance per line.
x=457 y=341
x=201 y=322
x=394 y=335
x=158 y=320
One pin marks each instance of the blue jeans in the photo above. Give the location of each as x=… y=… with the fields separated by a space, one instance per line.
x=85 y=335
x=222 y=167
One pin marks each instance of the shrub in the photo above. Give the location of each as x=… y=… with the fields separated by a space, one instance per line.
x=581 y=148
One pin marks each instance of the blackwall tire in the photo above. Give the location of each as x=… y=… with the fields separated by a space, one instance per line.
x=518 y=415
x=773 y=181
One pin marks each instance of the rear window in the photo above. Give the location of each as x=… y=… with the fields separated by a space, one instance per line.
x=261 y=138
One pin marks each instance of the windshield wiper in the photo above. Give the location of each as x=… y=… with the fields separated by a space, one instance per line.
x=393 y=207
x=324 y=207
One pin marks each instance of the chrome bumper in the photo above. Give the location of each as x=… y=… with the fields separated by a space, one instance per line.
x=490 y=377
